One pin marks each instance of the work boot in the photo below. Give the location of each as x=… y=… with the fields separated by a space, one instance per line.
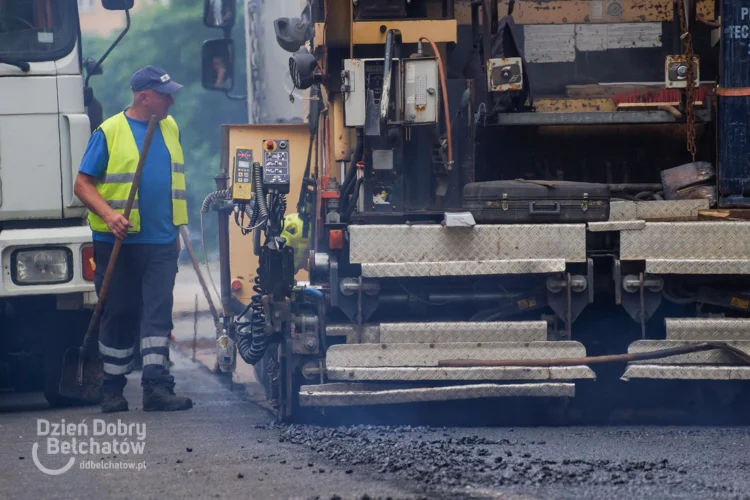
x=161 y=397
x=113 y=400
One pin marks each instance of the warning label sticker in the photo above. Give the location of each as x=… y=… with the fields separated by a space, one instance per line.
x=549 y=43
x=592 y=37
x=555 y=43
x=632 y=35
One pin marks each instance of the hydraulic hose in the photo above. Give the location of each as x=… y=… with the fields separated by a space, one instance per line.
x=350 y=175
x=446 y=107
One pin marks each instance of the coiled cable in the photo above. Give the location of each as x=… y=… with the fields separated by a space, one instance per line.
x=252 y=345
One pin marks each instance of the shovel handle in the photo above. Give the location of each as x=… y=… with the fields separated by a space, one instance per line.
x=94 y=323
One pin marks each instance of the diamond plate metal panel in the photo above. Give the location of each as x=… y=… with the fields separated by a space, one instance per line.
x=670 y=210
x=462 y=268
x=370 y=333
x=370 y=355
x=625 y=210
x=687 y=372
x=708 y=329
x=687 y=240
x=715 y=357
x=623 y=225
x=402 y=243
x=319 y=396
x=499 y=373
x=500 y=331
x=622 y=210
x=693 y=266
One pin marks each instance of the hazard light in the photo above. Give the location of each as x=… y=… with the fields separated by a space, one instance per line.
x=87 y=262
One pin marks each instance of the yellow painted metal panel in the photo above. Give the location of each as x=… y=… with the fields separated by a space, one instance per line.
x=372 y=33
x=243 y=261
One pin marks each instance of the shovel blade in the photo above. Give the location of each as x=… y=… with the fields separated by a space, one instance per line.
x=82 y=376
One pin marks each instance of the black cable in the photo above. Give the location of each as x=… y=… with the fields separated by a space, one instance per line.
x=355 y=196
x=252 y=345
x=349 y=180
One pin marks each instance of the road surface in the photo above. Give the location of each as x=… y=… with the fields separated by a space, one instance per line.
x=218 y=449
x=228 y=446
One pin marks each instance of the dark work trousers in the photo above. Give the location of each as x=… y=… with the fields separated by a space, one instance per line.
x=139 y=299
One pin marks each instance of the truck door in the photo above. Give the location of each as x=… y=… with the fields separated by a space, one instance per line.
x=37 y=39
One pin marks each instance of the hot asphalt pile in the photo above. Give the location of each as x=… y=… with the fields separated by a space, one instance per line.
x=575 y=464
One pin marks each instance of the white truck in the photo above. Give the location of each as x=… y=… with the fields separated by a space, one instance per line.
x=46 y=110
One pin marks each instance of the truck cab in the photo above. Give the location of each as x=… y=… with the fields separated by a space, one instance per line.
x=47 y=284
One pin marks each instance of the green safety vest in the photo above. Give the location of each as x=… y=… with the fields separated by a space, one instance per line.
x=123 y=161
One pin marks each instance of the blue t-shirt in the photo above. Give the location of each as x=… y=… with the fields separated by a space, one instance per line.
x=154 y=191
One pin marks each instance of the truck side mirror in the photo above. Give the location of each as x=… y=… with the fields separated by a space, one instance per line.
x=219 y=13
x=117 y=4
x=217 y=56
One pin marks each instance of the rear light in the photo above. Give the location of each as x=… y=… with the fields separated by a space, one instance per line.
x=87 y=263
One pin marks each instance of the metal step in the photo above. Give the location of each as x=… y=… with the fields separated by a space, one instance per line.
x=413 y=354
x=361 y=394
x=708 y=329
x=677 y=372
x=424 y=373
x=689 y=247
x=433 y=250
x=704 y=365
x=417 y=333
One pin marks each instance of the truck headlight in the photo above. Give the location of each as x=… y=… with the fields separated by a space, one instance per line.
x=41 y=266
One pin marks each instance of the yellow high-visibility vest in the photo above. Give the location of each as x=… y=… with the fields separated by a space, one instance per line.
x=123 y=161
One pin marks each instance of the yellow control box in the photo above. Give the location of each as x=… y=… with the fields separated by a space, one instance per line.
x=242 y=180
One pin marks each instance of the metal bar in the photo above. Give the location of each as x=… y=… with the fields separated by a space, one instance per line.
x=594 y=118
x=636 y=188
x=324 y=395
x=223 y=230
x=202 y=281
x=195 y=326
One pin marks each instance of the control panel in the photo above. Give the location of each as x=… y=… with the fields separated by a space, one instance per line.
x=361 y=75
x=242 y=183
x=276 y=169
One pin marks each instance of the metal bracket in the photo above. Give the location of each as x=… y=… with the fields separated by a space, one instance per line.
x=566 y=295
x=617 y=277
x=642 y=298
x=305 y=334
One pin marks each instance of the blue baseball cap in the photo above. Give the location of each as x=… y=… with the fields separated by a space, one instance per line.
x=151 y=77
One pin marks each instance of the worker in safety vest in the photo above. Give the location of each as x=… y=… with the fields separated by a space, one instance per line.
x=140 y=292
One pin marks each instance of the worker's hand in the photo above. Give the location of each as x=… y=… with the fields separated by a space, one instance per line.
x=118 y=224
x=179 y=245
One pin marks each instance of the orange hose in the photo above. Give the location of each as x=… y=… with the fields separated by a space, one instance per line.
x=444 y=88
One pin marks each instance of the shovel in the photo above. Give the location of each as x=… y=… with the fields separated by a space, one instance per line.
x=83 y=369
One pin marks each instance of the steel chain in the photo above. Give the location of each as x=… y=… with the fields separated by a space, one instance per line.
x=690 y=90
x=255 y=56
